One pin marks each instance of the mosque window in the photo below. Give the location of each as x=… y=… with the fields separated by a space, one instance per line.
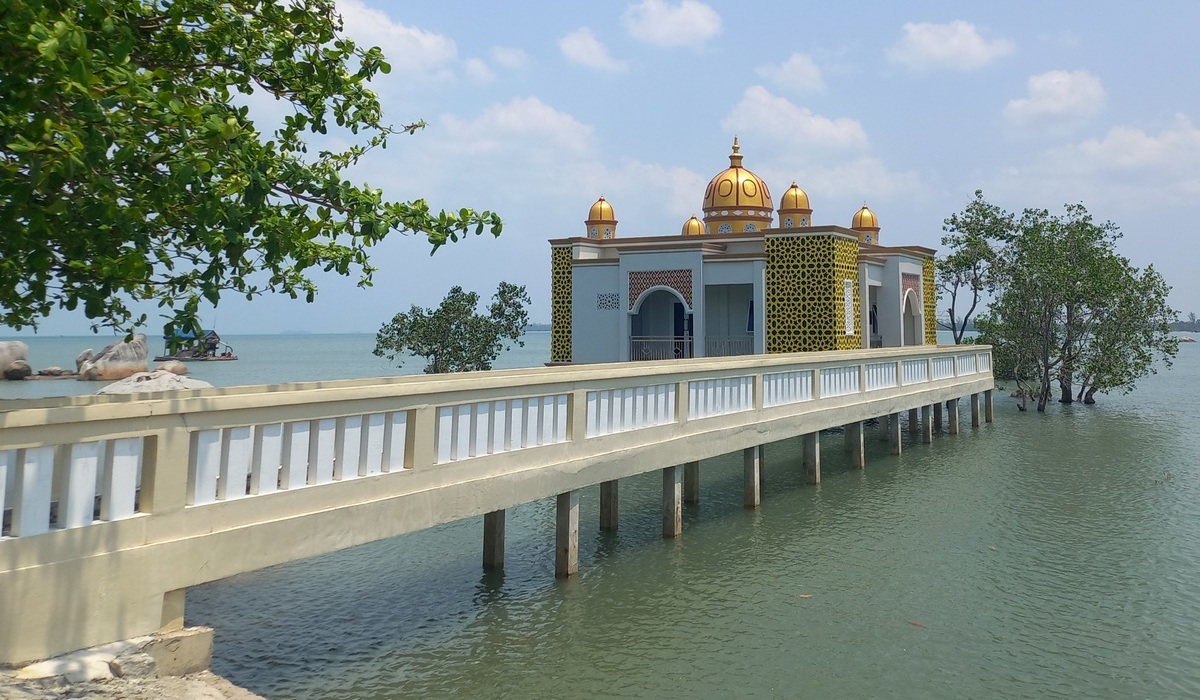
x=787 y=223
x=867 y=238
x=607 y=232
x=725 y=228
x=749 y=227
x=595 y=232
x=804 y=221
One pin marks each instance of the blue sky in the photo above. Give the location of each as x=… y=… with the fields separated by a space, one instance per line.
x=536 y=109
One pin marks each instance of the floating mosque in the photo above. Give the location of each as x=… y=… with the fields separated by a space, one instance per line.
x=745 y=279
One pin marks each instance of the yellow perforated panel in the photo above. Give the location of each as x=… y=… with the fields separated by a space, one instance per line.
x=806 y=294
x=930 y=288
x=560 y=304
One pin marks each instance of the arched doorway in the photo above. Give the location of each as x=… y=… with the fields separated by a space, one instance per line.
x=911 y=323
x=660 y=327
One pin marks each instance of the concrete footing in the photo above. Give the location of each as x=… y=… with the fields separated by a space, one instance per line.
x=952 y=415
x=854 y=443
x=566 y=549
x=493 y=540
x=812 y=457
x=752 y=484
x=893 y=433
x=927 y=424
x=608 y=505
x=975 y=410
x=672 y=501
x=937 y=417
x=988 y=407
x=691 y=482
x=914 y=422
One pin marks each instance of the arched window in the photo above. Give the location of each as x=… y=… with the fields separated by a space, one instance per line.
x=804 y=221
x=607 y=232
x=787 y=223
x=725 y=228
x=749 y=227
x=867 y=238
x=595 y=232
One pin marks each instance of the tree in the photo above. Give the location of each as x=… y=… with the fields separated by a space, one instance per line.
x=1069 y=308
x=964 y=274
x=1192 y=325
x=131 y=169
x=456 y=337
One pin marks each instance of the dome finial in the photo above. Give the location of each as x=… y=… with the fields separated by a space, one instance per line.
x=735 y=158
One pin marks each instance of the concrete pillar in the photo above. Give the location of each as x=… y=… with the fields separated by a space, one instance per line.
x=812 y=457
x=952 y=415
x=927 y=424
x=937 y=417
x=493 y=540
x=566 y=531
x=975 y=410
x=691 y=482
x=608 y=505
x=883 y=427
x=172 y=614
x=854 y=438
x=914 y=425
x=987 y=405
x=672 y=501
x=751 y=483
x=894 y=433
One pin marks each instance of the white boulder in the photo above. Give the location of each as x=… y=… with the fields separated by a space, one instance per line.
x=173 y=366
x=12 y=351
x=158 y=380
x=116 y=361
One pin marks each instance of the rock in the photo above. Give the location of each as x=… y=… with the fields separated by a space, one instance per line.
x=116 y=361
x=53 y=372
x=17 y=369
x=158 y=380
x=83 y=357
x=12 y=351
x=174 y=367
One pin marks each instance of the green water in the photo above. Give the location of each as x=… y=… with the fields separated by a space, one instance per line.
x=1053 y=556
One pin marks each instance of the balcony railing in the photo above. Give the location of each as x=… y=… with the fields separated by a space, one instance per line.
x=647 y=347
x=728 y=346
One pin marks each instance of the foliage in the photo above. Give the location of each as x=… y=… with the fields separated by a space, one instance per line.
x=964 y=274
x=455 y=337
x=131 y=170
x=1068 y=308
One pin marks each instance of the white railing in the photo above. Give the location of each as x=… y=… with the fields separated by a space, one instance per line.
x=728 y=346
x=191 y=476
x=966 y=364
x=660 y=347
x=916 y=371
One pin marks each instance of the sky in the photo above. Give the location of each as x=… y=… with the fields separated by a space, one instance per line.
x=536 y=109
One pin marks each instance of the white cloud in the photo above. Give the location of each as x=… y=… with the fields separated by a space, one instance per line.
x=775 y=117
x=955 y=46
x=413 y=53
x=799 y=73
x=582 y=46
x=506 y=124
x=660 y=23
x=1057 y=98
x=479 y=71
x=509 y=57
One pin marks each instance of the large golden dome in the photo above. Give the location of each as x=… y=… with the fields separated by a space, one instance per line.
x=601 y=221
x=737 y=200
x=693 y=227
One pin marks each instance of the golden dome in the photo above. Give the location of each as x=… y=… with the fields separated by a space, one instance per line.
x=795 y=199
x=737 y=200
x=865 y=219
x=601 y=221
x=693 y=227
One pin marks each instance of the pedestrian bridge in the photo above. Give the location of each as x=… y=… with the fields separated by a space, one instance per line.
x=114 y=505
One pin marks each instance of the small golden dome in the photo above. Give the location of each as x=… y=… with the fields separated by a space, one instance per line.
x=737 y=197
x=865 y=219
x=693 y=227
x=795 y=199
x=601 y=221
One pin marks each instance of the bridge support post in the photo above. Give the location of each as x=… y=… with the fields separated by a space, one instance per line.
x=691 y=482
x=751 y=460
x=987 y=405
x=608 y=505
x=566 y=550
x=975 y=410
x=672 y=501
x=812 y=457
x=884 y=420
x=493 y=540
x=937 y=417
x=894 y=433
x=914 y=424
x=854 y=437
x=952 y=415
x=927 y=424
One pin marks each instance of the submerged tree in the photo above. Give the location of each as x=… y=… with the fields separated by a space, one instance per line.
x=964 y=274
x=131 y=170
x=456 y=337
x=1069 y=309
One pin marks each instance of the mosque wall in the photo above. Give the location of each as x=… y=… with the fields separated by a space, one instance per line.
x=560 y=304
x=930 y=287
x=597 y=315
x=809 y=305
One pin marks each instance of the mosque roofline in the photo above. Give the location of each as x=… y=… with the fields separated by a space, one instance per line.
x=676 y=239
